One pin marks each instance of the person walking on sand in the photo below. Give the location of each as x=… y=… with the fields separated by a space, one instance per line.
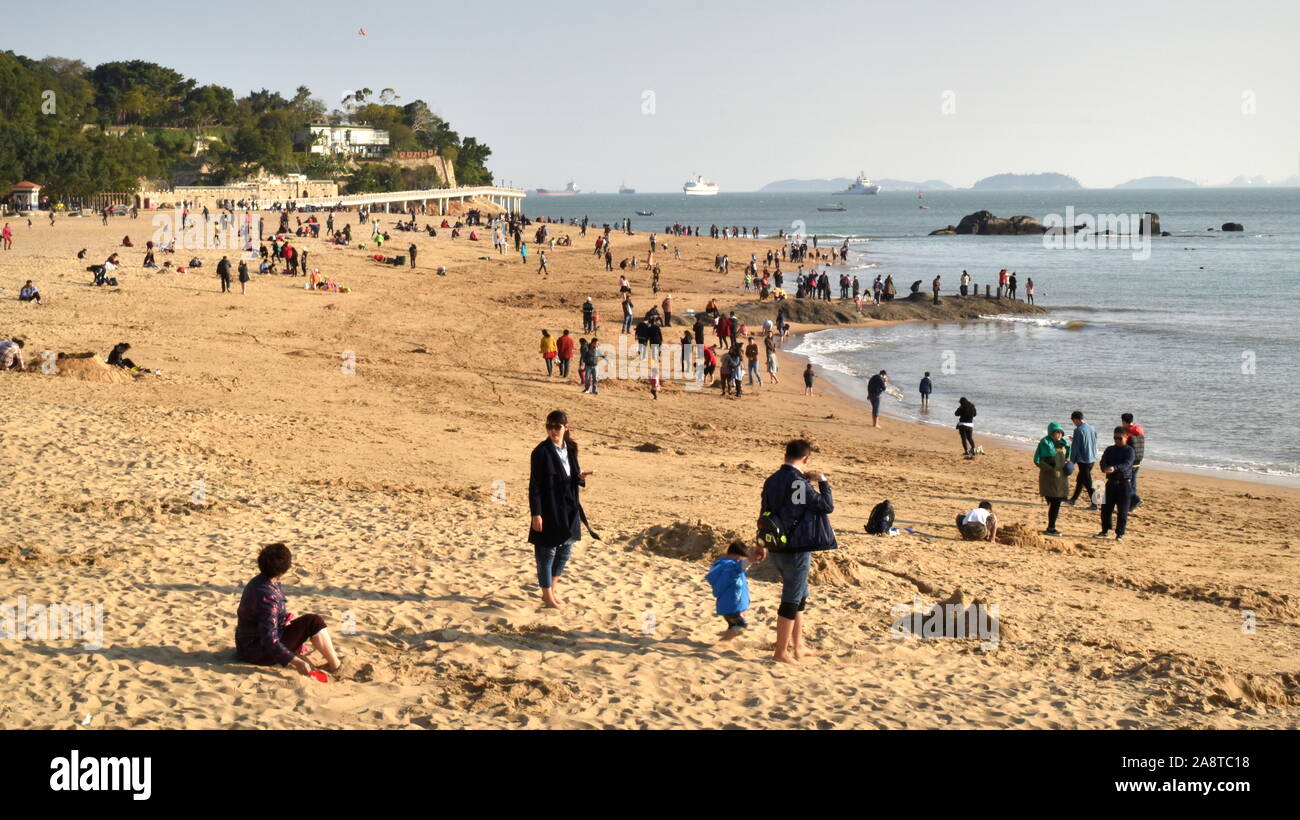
x=965 y=414
x=769 y=347
x=1052 y=455
x=731 y=588
x=1083 y=452
x=8 y=235
x=876 y=387
x=590 y=359
x=751 y=358
x=243 y=277
x=548 y=351
x=627 y=313
x=802 y=513
x=927 y=387
x=564 y=353
x=523 y=252
x=410 y=252
x=808 y=375
x=554 y=482
x=267 y=635
x=541 y=264
x=1137 y=439
x=1117 y=466
x=588 y=310
x=223 y=272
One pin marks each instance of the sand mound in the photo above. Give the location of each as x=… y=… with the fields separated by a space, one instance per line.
x=1018 y=535
x=87 y=368
x=135 y=509
x=12 y=554
x=685 y=541
x=1023 y=537
x=1205 y=684
x=471 y=690
x=836 y=569
x=1273 y=605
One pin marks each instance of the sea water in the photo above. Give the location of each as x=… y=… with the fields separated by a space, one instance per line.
x=1195 y=334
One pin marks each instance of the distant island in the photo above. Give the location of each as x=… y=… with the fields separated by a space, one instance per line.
x=1027 y=182
x=1153 y=183
x=832 y=186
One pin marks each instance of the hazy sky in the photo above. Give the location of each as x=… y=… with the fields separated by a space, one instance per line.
x=749 y=92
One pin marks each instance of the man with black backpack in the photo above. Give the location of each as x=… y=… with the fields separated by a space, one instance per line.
x=793 y=523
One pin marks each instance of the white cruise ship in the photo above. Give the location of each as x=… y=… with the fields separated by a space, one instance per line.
x=700 y=187
x=862 y=185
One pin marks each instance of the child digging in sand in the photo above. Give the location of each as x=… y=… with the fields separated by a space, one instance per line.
x=731 y=588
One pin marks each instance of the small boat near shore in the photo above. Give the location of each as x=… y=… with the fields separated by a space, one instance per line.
x=838 y=206
x=645 y=213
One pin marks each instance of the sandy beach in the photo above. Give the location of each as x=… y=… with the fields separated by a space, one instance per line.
x=402 y=489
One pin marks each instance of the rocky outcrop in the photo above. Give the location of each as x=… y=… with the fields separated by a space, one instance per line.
x=951 y=230
x=1232 y=226
x=1155 y=224
x=984 y=223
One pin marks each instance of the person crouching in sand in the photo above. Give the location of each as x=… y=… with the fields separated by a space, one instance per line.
x=731 y=588
x=980 y=524
x=553 y=484
x=266 y=634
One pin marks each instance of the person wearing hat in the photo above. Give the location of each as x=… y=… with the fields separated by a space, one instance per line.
x=1052 y=455
x=668 y=309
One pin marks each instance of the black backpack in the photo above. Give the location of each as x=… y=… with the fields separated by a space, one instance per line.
x=773 y=535
x=881 y=519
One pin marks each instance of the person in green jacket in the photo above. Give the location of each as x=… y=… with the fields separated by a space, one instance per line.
x=1051 y=456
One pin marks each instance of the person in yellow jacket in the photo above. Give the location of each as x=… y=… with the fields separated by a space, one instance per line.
x=548 y=351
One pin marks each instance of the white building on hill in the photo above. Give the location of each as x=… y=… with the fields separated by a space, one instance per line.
x=345 y=138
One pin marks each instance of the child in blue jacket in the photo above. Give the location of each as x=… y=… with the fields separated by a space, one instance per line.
x=731 y=587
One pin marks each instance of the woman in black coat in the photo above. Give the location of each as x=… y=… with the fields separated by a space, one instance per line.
x=553 y=485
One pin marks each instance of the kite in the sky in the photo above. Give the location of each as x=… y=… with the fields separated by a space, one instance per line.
x=362 y=32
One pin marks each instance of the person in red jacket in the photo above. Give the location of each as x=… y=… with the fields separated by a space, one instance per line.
x=724 y=330
x=1137 y=439
x=564 y=352
x=710 y=363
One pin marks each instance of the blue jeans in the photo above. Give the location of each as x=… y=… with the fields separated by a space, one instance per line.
x=793 y=569
x=551 y=561
x=627 y=323
x=753 y=373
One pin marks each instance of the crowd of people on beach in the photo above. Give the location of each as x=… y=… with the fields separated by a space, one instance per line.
x=795 y=500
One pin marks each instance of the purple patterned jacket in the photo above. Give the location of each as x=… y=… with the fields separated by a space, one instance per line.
x=262 y=618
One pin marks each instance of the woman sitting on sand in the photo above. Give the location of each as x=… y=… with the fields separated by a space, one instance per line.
x=553 y=486
x=126 y=242
x=266 y=634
